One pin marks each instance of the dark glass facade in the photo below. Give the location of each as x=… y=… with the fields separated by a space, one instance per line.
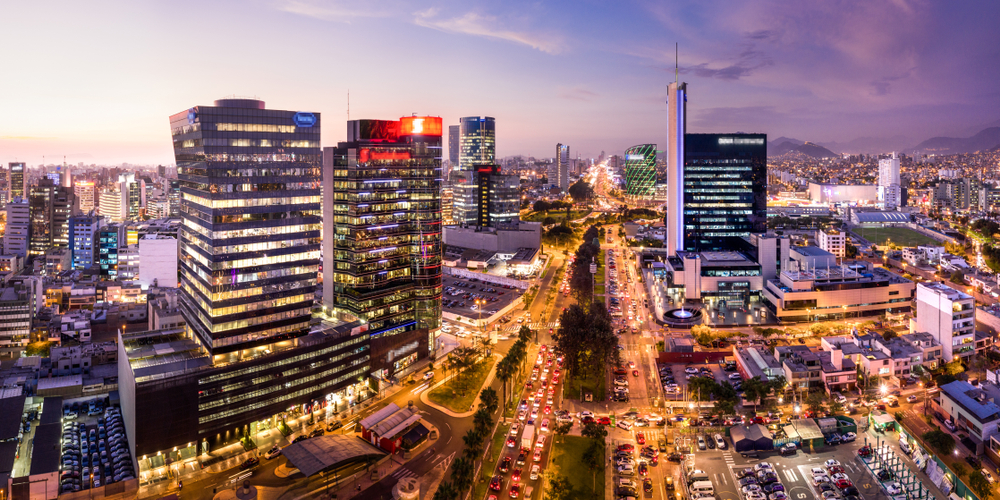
x=16 y=179
x=498 y=197
x=250 y=244
x=382 y=231
x=477 y=148
x=640 y=171
x=725 y=189
x=51 y=206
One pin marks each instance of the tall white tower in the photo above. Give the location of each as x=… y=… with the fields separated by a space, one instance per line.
x=889 y=195
x=676 y=127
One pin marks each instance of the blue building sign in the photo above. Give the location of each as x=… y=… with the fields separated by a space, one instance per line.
x=304 y=119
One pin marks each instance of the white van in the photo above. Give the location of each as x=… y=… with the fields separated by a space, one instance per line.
x=840 y=398
x=903 y=445
x=702 y=487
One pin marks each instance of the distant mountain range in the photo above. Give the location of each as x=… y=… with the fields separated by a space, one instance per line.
x=985 y=139
x=783 y=145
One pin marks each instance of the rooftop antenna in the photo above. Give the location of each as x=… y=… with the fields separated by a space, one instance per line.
x=348 y=104
x=676 y=52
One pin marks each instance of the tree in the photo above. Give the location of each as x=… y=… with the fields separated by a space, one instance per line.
x=563 y=428
x=581 y=190
x=446 y=491
x=701 y=388
x=505 y=372
x=593 y=458
x=889 y=334
x=958 y=277
x=836 y=408
x=940 y=440
x=488 y=399
x=981 y=486
x=594 y=431
x=754 y=389
x=462 y=470
x=851 y=251
x=560 y=489
x=815 y=402
x=473 y=443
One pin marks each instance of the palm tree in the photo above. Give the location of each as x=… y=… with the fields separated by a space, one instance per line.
x=462 y=471
x=482 y=421
x=505 y=371
x=489 y=400
x=446 y=491
x=473 y=443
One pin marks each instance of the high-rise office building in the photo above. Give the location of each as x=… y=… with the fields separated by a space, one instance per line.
x=249 y=180
x=676 y=129
x=477 y=148
x=4 y=186
x=498 y=197
x=558 y=172
x=17 y=179
x=454 y=145
x=111 y=204
x=83 y=239
x=86 y=194
x=51 y=206
x=133 y=192
x=383 y=236
x=18 y=231
x=725 y=189
x=110 y=238
x=889 y=196
x=640 y=172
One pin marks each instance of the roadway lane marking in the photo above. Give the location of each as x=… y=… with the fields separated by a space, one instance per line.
x=790 y=474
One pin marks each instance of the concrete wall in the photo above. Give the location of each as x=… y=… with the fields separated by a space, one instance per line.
x=489 y=278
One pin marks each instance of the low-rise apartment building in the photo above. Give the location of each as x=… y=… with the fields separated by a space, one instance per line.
x=973 y=409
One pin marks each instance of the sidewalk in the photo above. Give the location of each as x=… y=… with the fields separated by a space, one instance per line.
x=489 y=380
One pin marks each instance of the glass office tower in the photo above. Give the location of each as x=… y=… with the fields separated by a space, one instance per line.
x=725 y=189
x=382 y=233
x=477 y=148
x=250 y=243
x=640 y=171
x=16 y=179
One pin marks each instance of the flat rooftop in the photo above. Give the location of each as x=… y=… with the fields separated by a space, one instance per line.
x=949 y=292
x=724 y=257
x=811 y=251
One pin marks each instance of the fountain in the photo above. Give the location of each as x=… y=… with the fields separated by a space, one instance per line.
x=684 y=316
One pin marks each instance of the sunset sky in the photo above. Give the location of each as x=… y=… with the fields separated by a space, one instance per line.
x=96 y=81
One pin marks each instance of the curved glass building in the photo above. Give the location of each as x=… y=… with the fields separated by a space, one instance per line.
x=640 y=171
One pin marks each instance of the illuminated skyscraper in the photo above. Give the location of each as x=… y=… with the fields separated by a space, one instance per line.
x=454 y=140
x=16 y=180
x=640 y=172
x=85 y=195
x=725 y=189
x=558 y=172
x=498 y=197
x=477 y=148
x=382 y=235
x=249 y=180
x=889 y=196
x=676 y=128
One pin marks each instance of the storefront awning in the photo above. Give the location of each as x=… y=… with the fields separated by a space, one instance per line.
x=329 y=452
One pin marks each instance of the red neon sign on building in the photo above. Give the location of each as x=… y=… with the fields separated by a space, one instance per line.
x=420 y=125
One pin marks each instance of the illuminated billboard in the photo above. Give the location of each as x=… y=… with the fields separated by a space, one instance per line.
x=420 y=125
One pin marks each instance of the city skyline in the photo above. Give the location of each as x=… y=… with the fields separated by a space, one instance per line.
x=817 y=72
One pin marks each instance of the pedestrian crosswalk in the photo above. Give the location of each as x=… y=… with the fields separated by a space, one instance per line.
x=533 y=326
x=402 y=473
x=790 y=474
x=730 y=461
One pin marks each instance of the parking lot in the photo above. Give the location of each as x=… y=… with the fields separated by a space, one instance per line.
x=460 y=296
x=95 y=451
x=674 y=377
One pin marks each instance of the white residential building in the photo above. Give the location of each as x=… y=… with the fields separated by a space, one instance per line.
x=15 y=240
x=889 y=194
x=947 y=315
x=833 y=241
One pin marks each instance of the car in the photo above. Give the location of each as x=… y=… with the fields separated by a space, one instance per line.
x=773 y=487
x=273 y=452
x=820 y=479
x=516 y=475
x=496 y=484
x=892 y=488
x=300 y=439
x=843 y=483
x=675 y=457
x=848 y=437
x=626 y=447
x=505 y=464
x=752 y=488
x=514 y=428
x=511 y=442
x=720 y=442
x=748 y=480
x=545 y=425
x=779 y=495
x=640 y=438
x=788 y=449
x=864 y=451
x=988 y=476
x=540 y=442
x=250 y=463
x=701 y=442
x=850 y=491
x=535 y=472
x=748 y=472
x=537 y=456
x=643 y=469
x=912 y=398
x=831 y=463
x=604 y=421
x=515 y=490
x=883 y=474
x=521 y=457
x=829 y=495
x=767 y=477
x=763 y=465
x=522 y=414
